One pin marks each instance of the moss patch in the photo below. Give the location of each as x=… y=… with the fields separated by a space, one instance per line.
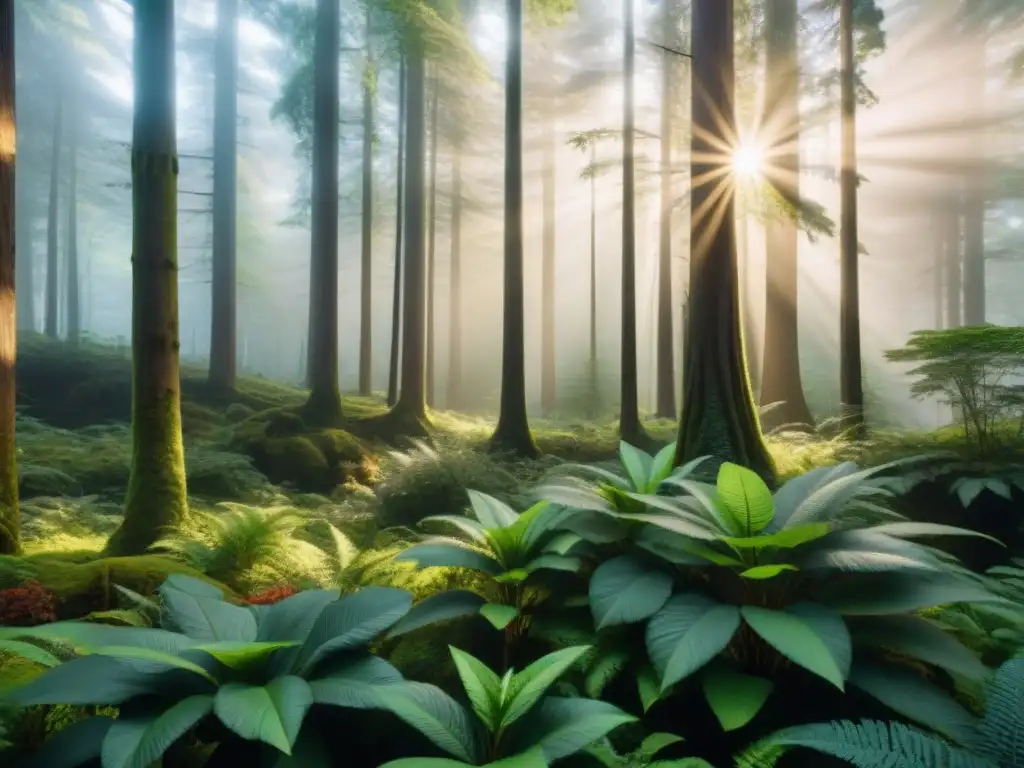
x=83 y=582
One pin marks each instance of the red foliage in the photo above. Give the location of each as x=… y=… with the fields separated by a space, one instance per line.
x=271 y=595
x=27 y=605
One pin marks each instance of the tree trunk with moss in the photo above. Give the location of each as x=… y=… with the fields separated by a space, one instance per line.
x=324 y=404
x=224 y=298
x=25 y=248
x=512 y=434
x=72 y=306
x=435 y=145
x=629 y=407
x=10 y=528
x=396 y=299
x=665 y=400
x=156 y=500
x=780 y=377
x=547 y=355
x=52 y=254
x=719 y=417
x=366 y=216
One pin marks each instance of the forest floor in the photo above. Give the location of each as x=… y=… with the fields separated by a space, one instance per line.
x=252 y=451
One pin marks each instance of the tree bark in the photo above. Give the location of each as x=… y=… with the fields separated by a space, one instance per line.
x=665 y=399
x=592 y=368
x=780 y=376
x=324 y=403
x=630 y=428
x=366 y=271
x=52 y=259
x=432 y=242
x=156 y=500
x=396 y=299
x=954 y=265
x=974 y=198
x=851 y=385
x=224 y=299
x=73 y=309
x=455 y=288
x=25 y=248
x=10 y=520
x=512 y=434
x=547 y=355
x=718 y=418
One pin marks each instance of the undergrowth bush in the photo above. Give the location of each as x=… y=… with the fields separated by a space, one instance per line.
x=27 y=605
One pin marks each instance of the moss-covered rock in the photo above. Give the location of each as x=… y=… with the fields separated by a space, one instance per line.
x=83 y=583
x=237 y=412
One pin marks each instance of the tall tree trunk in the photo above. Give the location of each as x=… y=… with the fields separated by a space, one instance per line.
x=954 y=264
x=52 y=260
x=25 y=248
x=592 y=358
x=156 y=500
x=938 y=260
x=974 y=197
x=455 y=289
x=411 y=407
x=665 y=397
x=629 y=408
x=718 y=414
x=396 y=299
x=73 y=309
x=851 y=386
x=366 y=271
x=547 y=354
x=432 y=241
x=780 y=374
x=512 y=433
x=324 y=404
x=10 y=521
x=224 y=299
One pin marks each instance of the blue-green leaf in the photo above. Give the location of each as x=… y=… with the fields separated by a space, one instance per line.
x=637 y=464
x=449 y=555
x=73 y=746
x=272 y=713
x=688 y=633
x=529 y=685
x=625 y=590
x=810 y=635
x=293 y=617
x=661 y=467
x=562 y=726
x=437 y=716
x=208 y=618
x=922 y=639
x=140 y=741
x=354 y=683
x=735 y=698
x=444 y=606
x=482 y=685
x=500 y=616
x=491 y=512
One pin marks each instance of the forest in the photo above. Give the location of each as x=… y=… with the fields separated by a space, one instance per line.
x=429 y=383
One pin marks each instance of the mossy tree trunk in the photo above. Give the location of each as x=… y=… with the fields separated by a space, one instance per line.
x=435 y=145
x=224 y=299
x=665 y=396
x=548 y=377
x=25 y=248
x=156 y=500
x=630 y=428
x=512 y=434
x=410 y=410
x=52 y=255
x=396 y=298
x=72 y=306
x=10 y=528
x=780 y=376
x=324 y=403
x=455 y=289
x=718 y=413
x=366 y=260
x=851 y=386
x=592 y=357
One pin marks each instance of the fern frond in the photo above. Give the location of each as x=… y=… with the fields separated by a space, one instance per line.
x=1002 y=729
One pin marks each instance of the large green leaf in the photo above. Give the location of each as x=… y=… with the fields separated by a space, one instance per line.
x=687 y=633
x=788 y=538
x=562 y=726
x=140 y=741
x=596 y=527
x=449 y=555
x=807 y=634
x=735 y=698
x=677 y=523
x=482 y=685
x=880 y=594
x=745 y=496
x=491 y=512
x=152 y=659
x=661 y=467
x=468 y=526
x=681 y=550
x=910 y=530
x=795 y=491
x=529 y=685
x=242 y=656
x=92 y=679
x=444 y=606
x=83 y=634
x=910 y=695
x=637 y=464
x=272 y=713
x=625 y=590
x=499 y=615
x=208 y=618
x=572 y=495
x=648 y=686
x=190 y=585
x=352 y=622
x=293 y=617
x=29 y=652
x=354 y=683
x=437 y=716
x=706 y=501
x=922 y=639
x=71 y=747
x=764 y=572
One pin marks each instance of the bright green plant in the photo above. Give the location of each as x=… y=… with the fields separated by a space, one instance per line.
x=511 y=550
x=257 y=669
x=645 y=755
x=997 y=742
x=512 y=722
x=811 y=572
